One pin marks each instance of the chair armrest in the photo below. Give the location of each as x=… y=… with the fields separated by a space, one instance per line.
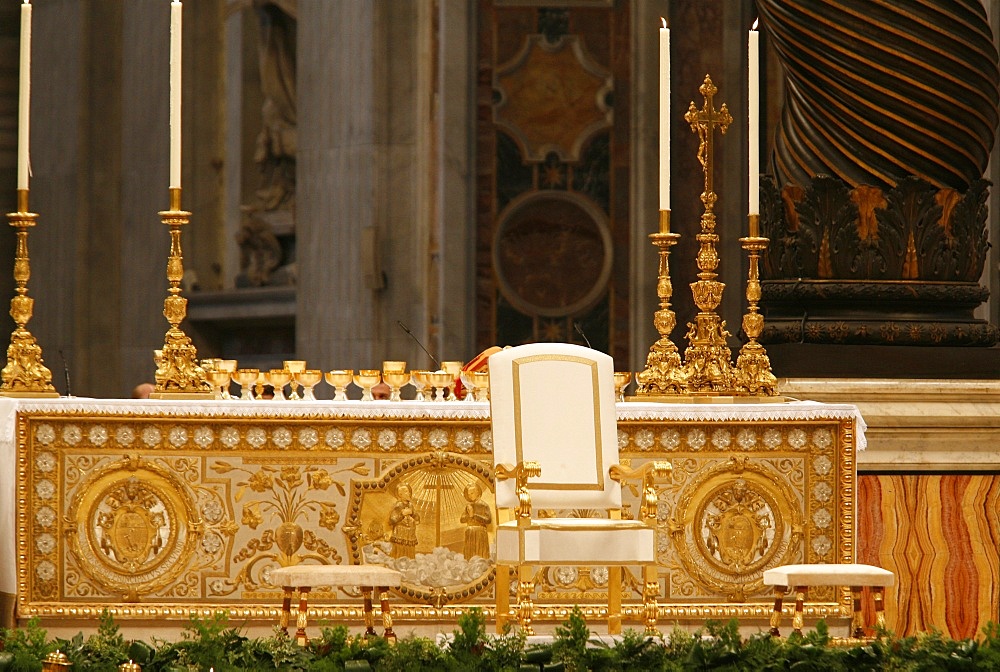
x=520 y=472
x=647 y=472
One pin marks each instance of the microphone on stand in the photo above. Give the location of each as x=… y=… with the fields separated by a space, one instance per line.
x=579 y=330
x=69 y=392
x=402 y=326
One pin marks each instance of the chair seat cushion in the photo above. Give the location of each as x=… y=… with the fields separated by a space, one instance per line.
x=828 y=575
x=335 y=575
x=582 y=541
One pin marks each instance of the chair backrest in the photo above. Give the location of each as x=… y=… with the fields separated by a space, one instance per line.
x=554 y=403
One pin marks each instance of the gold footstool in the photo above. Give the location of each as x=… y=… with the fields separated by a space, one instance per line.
x=366 y=577
x=801 y=577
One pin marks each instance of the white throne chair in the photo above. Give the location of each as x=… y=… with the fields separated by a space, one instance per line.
x=554 y=422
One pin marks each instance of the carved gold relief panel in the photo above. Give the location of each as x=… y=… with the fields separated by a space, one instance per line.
x=159 y=515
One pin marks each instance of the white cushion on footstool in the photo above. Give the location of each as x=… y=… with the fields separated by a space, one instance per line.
x=336 y=575
x=828 y=575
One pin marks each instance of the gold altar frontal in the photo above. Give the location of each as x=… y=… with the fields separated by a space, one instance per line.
x=160 y=509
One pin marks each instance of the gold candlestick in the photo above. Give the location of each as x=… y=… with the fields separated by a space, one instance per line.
x=24 y=375
x=707 y=365
x=177 y=372
x=662 y=374
x=753 y=368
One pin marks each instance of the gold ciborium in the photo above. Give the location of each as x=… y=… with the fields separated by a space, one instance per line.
x=339 y=379
x=246 y=378
x=308 y=379
x=294 y=366
x=366 y=379
x=278 y=378
x=622 y=379
x=219 y=380
x=419 y=381
x=395 y=376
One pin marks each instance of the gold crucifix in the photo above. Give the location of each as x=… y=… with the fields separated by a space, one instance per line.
x=704 y=122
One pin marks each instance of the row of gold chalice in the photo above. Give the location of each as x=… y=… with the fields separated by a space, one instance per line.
x=252 y=382
x=429 y=385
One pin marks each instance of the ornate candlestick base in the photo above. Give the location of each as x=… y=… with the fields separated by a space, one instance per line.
x=753 y=368
x=662 y=374
x=24 y=375
x=178 y=375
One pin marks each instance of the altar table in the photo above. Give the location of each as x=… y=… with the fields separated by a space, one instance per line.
x=158 y=509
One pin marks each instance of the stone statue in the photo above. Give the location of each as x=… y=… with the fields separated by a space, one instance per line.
x=276 y=142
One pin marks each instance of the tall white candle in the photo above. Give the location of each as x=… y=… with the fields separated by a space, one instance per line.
x=664 y=117
x=175 y=94
x=753 y=118
x=24 y=98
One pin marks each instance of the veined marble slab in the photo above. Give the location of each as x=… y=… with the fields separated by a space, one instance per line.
x=917 y=425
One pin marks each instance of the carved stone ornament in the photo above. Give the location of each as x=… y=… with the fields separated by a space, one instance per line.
x=867 y=266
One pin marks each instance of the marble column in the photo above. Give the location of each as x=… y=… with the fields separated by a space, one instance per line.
x=145 y=140
x=382 y=201
x=58 y=91
x=645 y=166
x=335 y=326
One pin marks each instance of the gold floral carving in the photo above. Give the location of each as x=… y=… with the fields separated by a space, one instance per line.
x=291 y=496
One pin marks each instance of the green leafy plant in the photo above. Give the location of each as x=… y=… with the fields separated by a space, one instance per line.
x=213 y=643
x=101 y=652
x=26 y=647
x=570 y=645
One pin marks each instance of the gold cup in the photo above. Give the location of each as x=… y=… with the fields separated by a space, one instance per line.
x=482 y=380
x=211 y=364
x=455 y=370
x=227 y=365
x=419 y=381
x=440 y=381
x=339 y=379
x=246 y=378
x=308 y=380
x=366 y=379
x=219 y=380
x=622 y=379
x=395 y=376
x=470 y=385
x=294 y=366
x=278 y=378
